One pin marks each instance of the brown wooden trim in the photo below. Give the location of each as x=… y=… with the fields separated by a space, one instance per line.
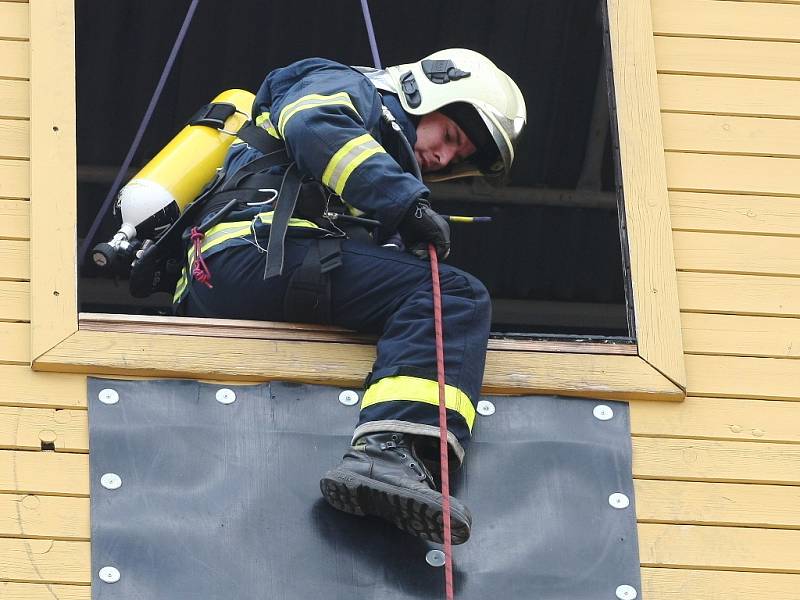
x=215 y=358
x=566 y=347
x=637 y=109
x=54 y=204
x=232 y=329
x=271 y=330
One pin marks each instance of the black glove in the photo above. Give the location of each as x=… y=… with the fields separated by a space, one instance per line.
x=423 y=225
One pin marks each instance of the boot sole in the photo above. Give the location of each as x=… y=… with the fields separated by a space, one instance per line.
x=414 y=513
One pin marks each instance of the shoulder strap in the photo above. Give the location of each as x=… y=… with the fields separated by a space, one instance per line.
x=256 y=137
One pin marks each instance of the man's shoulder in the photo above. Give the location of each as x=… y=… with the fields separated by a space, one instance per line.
x=315 y=66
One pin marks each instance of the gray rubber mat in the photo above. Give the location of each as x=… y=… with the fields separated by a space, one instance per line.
x=196 y=499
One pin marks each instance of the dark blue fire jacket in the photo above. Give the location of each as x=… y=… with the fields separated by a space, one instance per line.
x=329 y=115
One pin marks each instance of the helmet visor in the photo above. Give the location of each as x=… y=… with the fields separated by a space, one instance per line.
x=502 y=131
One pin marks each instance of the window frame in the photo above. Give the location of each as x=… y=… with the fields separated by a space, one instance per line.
x=64 y=341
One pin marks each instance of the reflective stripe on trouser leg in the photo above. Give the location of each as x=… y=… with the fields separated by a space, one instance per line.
x=410 y=405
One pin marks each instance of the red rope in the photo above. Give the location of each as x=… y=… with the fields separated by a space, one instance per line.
x=443 y=449
x=200 y=270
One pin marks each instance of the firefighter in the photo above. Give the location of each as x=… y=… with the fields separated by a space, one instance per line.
x=313 y=238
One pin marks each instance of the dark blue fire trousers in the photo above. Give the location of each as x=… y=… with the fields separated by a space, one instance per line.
x=384 y=292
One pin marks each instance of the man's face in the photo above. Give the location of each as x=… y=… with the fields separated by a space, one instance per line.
x=440 y=142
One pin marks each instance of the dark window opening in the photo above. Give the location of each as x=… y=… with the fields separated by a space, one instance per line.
x=552 y=257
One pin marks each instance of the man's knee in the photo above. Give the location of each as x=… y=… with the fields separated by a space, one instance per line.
x=460 y=283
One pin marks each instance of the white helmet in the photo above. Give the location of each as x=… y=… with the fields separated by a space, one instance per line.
x=456 y=77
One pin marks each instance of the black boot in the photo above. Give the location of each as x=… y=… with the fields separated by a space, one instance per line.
x=382 y=475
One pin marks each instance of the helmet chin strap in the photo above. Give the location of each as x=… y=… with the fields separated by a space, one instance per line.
x=388 y=117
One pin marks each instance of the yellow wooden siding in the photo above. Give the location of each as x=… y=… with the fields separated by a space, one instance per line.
x=15 y=99
x=726 y=19
x=14 y=187
x=47 y=473
x=46 y=560
x=15 y=178
x=26 y=388
x=736 y=335
x=39 y=591
x=733 y=58
x=701 y=503
x=685 y=584
x=14 y=21
x=726 y=134
x=15 y=343
x=14 y=138
x=739 y=294
x=14 y=220
x=743 y=377
x=14 y=260
x=716 y=476
x=762 y=175
x=729 y=548
x=729 y=96
x=15 y=301
x=717 y=487
x=734 y=213
x=49 y=517
x=31 y=428
x=726 y=418
x=43 y=536
x=744 y=254
x=15 y=59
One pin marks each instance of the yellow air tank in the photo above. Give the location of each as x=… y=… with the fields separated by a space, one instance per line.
x=158 y=194
x=166 y=185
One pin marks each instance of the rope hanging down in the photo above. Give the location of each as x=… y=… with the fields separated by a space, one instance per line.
x=373 y=45
x=87 y=241
x=443 y=450
x=437 y=317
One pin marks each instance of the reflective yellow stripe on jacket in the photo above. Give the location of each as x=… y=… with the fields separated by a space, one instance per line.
x=416 y=389
x=347 y=159
x=224 y=232
x=264 y=122
x=313 y=101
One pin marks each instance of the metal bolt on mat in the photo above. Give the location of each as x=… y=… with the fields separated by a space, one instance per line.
x=225 y=396
x=108 y=396
x=111 y=481
x=619 y=500
x=485 y=408
x=603 y=412
x=435 y=558
x=109 y=574
x=348 y=397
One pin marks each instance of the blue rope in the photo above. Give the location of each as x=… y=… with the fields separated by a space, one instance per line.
x=139 y=134
x=376 y=59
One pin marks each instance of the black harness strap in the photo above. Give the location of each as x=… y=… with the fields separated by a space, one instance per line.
x=255 y=167
x=213 y=114
x=285 y=204
x=308 y=294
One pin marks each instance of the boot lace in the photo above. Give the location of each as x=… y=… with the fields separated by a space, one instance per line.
x=392 y=446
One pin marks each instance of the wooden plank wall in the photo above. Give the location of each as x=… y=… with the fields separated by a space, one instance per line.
x=44 y=529
x=717 y=477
